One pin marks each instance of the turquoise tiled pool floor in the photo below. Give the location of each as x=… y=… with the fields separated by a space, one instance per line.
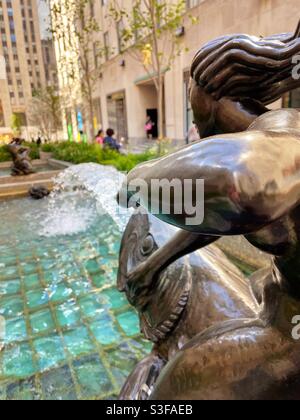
x=69 y=333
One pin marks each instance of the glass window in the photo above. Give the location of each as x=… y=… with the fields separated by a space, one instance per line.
x=192 y=3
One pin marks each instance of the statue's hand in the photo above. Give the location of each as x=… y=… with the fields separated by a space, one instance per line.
x=139 y=283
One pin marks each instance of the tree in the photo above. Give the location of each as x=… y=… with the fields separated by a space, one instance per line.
x=45 y=111
x=152 y=32
x=16 y=124
x=75 y=27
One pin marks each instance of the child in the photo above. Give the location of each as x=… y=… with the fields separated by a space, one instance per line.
x=100 y=138
x=110 y=141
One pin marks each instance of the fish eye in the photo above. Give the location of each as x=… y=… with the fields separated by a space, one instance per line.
x=147 y=245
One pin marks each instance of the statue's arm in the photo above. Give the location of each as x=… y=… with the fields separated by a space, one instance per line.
x=251 y=179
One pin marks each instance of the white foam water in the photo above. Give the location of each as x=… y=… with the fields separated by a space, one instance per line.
x=82 y=193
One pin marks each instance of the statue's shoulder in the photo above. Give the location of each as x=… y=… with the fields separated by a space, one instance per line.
x=281 y=119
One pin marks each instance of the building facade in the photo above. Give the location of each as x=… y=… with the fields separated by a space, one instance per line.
x=125 y=94
x=63 y=17
x=21 y=50
x=49 y=60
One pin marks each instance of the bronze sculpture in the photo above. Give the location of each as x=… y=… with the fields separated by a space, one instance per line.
x=38 y=192
x=252 y=188
x=21 y=160
x=234 y=78
x=203 y=288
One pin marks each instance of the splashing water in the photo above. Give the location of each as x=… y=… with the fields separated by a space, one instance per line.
x=80 y=194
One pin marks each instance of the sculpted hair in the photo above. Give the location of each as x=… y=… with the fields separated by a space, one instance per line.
x=243 y=66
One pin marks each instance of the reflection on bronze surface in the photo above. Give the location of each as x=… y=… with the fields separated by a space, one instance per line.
x=252 y=188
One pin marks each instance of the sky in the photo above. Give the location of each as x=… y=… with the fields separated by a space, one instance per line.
x=44 y=18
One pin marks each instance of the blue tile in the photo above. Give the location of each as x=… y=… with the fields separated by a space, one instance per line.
x=15 y=330
x=50 y=351
x=80 y=286
x=9 y=272
x=37 y=298
x=78 y=341
x=57 y=384
x=31 y=281
x=10 y=287
x=90 y=306
x=59 y=292
x=92 y=377
x=129 y=322
x=106 y=333
x=42 y=321
x=23 y=391
x=29 y=268
x=17 y=362
x=67 y=314
x=11 y=306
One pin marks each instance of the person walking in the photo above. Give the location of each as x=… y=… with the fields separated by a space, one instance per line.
x=149 y=127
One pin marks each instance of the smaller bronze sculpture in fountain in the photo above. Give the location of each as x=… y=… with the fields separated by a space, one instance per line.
x=38 y=192
x=21 y=160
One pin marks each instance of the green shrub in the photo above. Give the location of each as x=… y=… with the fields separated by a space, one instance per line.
x=85 y=153
x=4 y=154
x=94 y=153
x=48 y=147
x=6 y=157
x=34 y=150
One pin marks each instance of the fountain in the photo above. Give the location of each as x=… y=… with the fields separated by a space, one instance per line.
x=89 y=182
x=216 y=334
x=59 y=261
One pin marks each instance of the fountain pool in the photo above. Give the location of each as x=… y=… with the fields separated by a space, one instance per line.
x=69 y=333
x=6 y=171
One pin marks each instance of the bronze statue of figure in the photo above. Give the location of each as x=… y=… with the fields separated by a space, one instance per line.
x=21 y=160
x=252 y=188
x=189 y=296
x=234 y=78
